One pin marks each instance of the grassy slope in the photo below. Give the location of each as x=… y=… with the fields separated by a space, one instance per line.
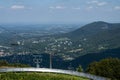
x=38 y=76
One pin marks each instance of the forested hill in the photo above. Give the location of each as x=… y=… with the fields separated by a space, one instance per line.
x=96 y=36
x=87 y=59
x=93 y=28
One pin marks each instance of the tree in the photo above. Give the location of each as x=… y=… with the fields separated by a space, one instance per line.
x=3 y=63
x=107 y=67
x=79 y=69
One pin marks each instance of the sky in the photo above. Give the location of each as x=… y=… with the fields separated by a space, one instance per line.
x=59 y=11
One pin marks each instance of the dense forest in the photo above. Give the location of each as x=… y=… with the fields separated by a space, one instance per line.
x=107 y=67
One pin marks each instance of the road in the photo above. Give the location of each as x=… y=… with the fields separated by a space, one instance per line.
x=92 y=77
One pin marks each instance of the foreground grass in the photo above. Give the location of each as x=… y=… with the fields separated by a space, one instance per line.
x=38 y=76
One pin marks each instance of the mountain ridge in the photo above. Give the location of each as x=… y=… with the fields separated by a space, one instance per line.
x=95 y=37
x=93 y=28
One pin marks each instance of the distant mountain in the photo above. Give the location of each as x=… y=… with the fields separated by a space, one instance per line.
x=96 y=36
x=93 y=28
x=108 y=38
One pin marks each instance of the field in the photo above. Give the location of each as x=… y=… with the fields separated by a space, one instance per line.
x=38 y=76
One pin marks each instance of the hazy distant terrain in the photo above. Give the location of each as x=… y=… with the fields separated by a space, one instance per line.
x=68 y=43
x=39 y=29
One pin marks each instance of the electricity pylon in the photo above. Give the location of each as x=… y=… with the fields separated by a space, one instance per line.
x=37 y=60
x=50 y=51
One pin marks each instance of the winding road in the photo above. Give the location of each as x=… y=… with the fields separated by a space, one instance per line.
x=92 y=77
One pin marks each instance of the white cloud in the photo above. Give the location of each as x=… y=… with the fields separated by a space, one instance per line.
x=117 y=7
x=18 y=7
x=92 y=2
x=97 y=3
x=57 y=7
x=60 y=7
x=51 y=7
x=89 y=8
x=101 y=3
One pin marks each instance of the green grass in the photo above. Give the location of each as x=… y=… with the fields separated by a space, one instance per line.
x=38 y=76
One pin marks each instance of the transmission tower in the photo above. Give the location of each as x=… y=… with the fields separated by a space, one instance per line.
x=37 y=60
x=50 y=53
x=50 y=50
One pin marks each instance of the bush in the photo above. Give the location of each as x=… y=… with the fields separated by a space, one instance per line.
x=80 y=69
x=107 y=67
x=6 y=64
x=3 y=63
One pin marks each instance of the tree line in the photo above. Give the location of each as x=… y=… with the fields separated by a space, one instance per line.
x=109 y=67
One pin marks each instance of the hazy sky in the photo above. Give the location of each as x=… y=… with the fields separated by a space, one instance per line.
x=59 y=11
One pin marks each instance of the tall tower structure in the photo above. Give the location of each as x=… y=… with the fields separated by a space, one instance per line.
x=37 y=60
